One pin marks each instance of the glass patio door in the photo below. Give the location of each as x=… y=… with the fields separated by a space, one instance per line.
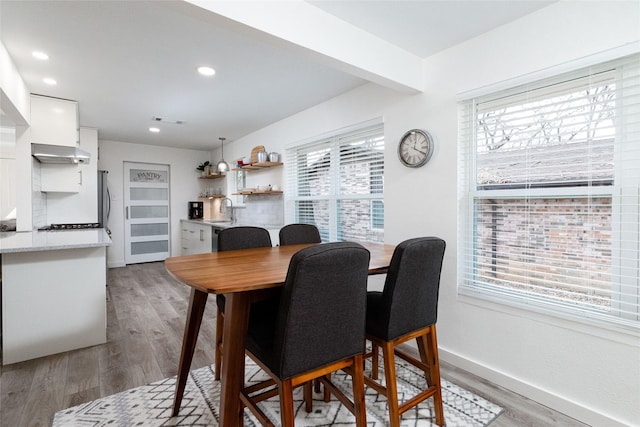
x=146 y=197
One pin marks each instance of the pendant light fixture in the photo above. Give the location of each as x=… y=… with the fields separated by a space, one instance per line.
x=222 y=166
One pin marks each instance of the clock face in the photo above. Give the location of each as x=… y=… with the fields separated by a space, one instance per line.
x=415 y=148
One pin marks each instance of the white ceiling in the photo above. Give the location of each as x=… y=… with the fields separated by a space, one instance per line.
x=126 y=62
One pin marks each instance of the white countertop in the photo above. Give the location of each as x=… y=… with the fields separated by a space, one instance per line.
x=227 y=224
x=52 y=240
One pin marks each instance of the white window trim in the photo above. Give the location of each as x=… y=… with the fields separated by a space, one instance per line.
x=333 y=140
x=591 y=324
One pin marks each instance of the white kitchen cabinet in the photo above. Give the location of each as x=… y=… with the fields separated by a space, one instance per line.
x=54 y=121
x=79 y=206
x=196 y=238
x=60 y=178
x=74 y=178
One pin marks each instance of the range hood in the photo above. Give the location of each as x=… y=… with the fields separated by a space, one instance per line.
x=59 y=154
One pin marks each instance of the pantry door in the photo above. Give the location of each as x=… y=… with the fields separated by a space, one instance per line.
x=146 y=216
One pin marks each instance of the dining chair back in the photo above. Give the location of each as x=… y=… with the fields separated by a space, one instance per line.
x=295 y=234
x=244 y=237
x=229 y=239
x=406 y=309
x=318 y=328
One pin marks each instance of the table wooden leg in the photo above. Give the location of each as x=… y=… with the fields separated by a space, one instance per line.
x=197 y=302
x=236 y=321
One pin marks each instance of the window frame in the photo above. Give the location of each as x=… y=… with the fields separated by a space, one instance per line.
x=470 y=191
x=334 y=143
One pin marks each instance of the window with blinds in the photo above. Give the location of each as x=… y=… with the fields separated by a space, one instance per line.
x=549 y=184
x=337 y=184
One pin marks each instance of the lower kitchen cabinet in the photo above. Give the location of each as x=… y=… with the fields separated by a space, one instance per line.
x=196 y=238
x=52 y=301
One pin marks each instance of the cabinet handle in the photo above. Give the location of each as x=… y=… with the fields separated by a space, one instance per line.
x=127 y=212
x=202 y=235
x=80 y=172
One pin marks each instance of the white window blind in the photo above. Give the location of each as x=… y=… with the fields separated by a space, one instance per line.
x=337 y=184
x=549 y=190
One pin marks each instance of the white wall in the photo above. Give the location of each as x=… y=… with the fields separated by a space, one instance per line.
x=15 y=102
x=585 y=372
x=8 y=171
x=184 y=187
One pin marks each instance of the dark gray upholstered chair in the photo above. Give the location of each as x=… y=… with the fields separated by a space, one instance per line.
x=295 y=234
x=407 y=308
x=233 y=238
x=318 y=328
x=230 y=239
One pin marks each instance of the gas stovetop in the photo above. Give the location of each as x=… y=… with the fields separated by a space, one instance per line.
x=59 y=227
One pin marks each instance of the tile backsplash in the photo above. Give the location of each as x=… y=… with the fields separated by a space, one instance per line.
x=38 y=198
x=261 y=210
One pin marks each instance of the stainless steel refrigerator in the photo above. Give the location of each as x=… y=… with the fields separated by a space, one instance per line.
x=104 y=201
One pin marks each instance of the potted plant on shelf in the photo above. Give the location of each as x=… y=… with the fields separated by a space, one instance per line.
x=204 y=168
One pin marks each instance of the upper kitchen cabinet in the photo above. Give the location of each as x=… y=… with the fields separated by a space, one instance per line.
x=54 y=121
x=60 y=179
x=73 y=177
x=72 y=197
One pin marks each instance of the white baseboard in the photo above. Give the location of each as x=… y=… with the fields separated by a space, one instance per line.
x=544 y=397
x=116 y=264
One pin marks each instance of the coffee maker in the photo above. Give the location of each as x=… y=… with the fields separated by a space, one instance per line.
x=196 y=210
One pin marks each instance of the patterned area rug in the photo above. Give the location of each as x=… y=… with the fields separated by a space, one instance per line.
x=150 y=405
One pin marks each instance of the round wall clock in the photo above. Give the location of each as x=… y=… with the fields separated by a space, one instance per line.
x=415 y=148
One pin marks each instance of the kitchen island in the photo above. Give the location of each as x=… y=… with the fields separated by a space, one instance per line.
x=53 y=292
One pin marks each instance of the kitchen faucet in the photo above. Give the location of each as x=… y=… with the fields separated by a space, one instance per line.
x=222 y=203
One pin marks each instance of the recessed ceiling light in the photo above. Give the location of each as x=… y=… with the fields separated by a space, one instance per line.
x=206 y=71
x=50 y=81
x=40 y=55
x=154 y=130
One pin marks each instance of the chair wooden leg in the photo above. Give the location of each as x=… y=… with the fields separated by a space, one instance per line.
x=434 y=368
x=327 y=392
x=391 y=385
x=286 y=404
x=423 y=346
x=308 y=396
x=374 y=361
x=428 y=348
x=218 y=356
x=357 y=380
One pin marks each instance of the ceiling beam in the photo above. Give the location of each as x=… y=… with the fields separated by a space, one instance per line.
x=323 y=38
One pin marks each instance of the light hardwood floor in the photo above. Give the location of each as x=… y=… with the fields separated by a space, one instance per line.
x=146 y=315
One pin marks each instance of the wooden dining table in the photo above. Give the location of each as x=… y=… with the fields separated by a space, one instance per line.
x=243 y=276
